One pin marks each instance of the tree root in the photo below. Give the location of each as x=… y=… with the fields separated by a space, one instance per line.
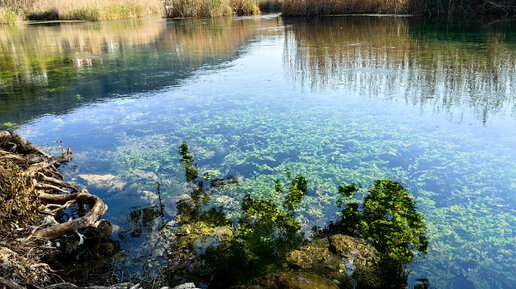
x=98 y=208
x=10 y=284
x=41 y=168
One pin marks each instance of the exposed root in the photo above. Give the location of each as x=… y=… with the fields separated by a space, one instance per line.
x=10 y=284
x=31 y=188
x=37 y=165
x=98 y=208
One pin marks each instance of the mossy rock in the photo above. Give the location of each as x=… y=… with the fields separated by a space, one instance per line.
x=199 y=236
x=339 y=257
x=292 y=280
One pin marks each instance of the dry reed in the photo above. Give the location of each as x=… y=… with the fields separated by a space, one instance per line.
x=326 y=7
x=8 y=16
x=422 y=7
x=460 y=8
x=93 y=10
x=210 y=8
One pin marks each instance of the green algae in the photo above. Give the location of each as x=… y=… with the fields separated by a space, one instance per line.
x=358 y=154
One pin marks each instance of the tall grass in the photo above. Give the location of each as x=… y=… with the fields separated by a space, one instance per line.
x=326 y=7
x=245 y=7
x=93 y=10
x=461 y=7
x=12 y=11
x=197 y=8
x=423 y=7
x=210 y=8
x=8 y=16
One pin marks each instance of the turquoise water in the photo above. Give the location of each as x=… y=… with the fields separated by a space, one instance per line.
x=429 y=104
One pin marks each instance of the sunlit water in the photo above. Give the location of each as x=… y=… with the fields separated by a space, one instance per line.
x=429 y=104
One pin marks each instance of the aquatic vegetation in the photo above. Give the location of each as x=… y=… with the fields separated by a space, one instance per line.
x=265 y=234
x=187 y=159
x=388 y=219
x=296 y=191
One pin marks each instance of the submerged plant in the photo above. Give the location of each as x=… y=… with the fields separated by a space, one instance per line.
x=231 y=252
x=187 y=159
x=387 y=218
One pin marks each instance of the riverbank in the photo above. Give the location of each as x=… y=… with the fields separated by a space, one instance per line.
x=43 y=218
x=209 y=8
x=418 y=7
x=96 y=10
x=89 y=10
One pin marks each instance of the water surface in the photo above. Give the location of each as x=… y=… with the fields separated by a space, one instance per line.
x=429 y=104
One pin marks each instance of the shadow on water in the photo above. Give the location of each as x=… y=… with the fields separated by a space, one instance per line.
x=379 y=232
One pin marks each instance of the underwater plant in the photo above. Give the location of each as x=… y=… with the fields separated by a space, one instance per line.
x=211 y=248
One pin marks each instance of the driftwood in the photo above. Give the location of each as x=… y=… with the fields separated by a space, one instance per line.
x=53 y=192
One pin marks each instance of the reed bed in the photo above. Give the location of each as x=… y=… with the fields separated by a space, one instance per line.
x=197 y=8
x=420 y=7
x=8 y=16
x=460 y=7
x=245 y=7
x=210 y=8
x=327 y=7
x=12 y=11
x=93 y=10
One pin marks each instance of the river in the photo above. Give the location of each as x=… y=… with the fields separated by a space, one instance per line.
x=430 y=104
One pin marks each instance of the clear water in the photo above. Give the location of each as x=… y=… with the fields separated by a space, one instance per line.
x=429 y=104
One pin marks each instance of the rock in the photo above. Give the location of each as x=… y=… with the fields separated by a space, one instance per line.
x=186 y=286
x=106 y=182
x=193 y=240
x=338 y=257
x=347 y=246
x=199 y=237
x=291 y=280
x=213 y=239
